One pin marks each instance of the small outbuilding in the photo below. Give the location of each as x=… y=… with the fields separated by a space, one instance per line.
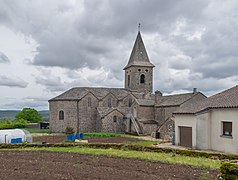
x=209 y=124
x=11 y=136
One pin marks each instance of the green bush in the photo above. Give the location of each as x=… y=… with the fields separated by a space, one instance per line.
x=229 y=170
x=21 y=123
x=69 y=130
x=29 y=114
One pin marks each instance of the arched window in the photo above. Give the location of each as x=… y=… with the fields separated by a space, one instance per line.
x=61 y=115
x=129 y=80
x=142 y=78
x=89 y=102
x=109 y=102
x=114 y=119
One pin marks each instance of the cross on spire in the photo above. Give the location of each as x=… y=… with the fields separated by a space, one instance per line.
x=139 y=27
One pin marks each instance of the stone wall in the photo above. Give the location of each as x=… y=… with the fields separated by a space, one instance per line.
x=70 y=115
x=114 y=122
x=149 y=128
x=88 y=114
x=163 y=113
x=135 y=74
x=105 y=101
x=166 y=130
x=145 y=113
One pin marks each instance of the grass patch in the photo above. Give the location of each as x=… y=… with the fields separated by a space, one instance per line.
x=125 y=153
x=35 y=130
x=142 y=143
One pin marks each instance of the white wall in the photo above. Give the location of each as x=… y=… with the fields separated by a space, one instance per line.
x=207 y=129
x=203 y=131
x=186 y=120
x=219 y=142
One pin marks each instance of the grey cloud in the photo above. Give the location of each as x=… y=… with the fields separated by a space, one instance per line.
x=217 y=69
x=77 y=40
x=50 y=81
x=180 y=62
x=98 y=34
x=40 y=105
x=10 y=82
x=4 y=58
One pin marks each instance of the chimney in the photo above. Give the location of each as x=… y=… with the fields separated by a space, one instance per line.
x=158 y=96
x=194 y=90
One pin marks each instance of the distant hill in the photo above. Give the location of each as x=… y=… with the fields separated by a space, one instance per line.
x=10 y=114
x=45 y=115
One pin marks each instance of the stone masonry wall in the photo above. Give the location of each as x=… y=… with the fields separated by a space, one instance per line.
x=108 y=124
x=145 y=113
x=105 y=101
x=88 y=114
x=163 y=113
x=149 y=128
x=135 y=73
x=70 y=115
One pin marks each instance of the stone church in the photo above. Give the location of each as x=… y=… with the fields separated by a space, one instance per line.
x=132 y=109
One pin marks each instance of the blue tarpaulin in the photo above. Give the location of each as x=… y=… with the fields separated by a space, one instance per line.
x=72 y=137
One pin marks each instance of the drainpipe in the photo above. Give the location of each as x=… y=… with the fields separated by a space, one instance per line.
x=77 y=116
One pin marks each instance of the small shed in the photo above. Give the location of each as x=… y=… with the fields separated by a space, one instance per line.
x=15 y=136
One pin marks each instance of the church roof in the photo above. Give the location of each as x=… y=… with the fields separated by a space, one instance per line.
x=104 y=111
x=145 y=102
x=175 y=100
x=139 y=55
x=78 y=93
x=224 y=99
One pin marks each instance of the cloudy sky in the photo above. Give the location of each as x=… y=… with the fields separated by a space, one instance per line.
x=49 y=46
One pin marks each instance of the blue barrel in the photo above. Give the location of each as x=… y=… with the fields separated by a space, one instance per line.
x=81 y=135
x=71 y=137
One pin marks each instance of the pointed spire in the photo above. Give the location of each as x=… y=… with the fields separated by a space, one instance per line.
x=139 y=55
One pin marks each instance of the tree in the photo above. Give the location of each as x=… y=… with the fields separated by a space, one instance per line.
x=29 y=114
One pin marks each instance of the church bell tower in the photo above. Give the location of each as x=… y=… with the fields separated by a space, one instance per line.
x=139 y=70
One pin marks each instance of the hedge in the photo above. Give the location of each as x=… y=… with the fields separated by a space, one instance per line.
x=229 y=170
x=191 y=153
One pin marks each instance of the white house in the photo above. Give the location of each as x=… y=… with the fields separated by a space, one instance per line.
x=210 y=124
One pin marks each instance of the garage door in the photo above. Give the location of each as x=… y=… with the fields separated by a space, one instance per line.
x=185 y=136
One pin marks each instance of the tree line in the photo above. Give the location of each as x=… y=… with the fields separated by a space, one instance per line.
x=26 y=115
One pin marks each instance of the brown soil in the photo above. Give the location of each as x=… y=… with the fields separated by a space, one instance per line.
x=61 y=138
x=57 y=165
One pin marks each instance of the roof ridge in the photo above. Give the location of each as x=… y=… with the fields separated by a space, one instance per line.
x=179 y=94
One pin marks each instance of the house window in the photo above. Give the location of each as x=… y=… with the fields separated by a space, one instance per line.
x=227 y=128
x=61 y=115
x=89 y=102
x=114 y=119
x=129 y=80
x=142 y=78
x=109 y=102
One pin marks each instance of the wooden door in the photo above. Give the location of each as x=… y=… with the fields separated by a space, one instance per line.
x=185 y=136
